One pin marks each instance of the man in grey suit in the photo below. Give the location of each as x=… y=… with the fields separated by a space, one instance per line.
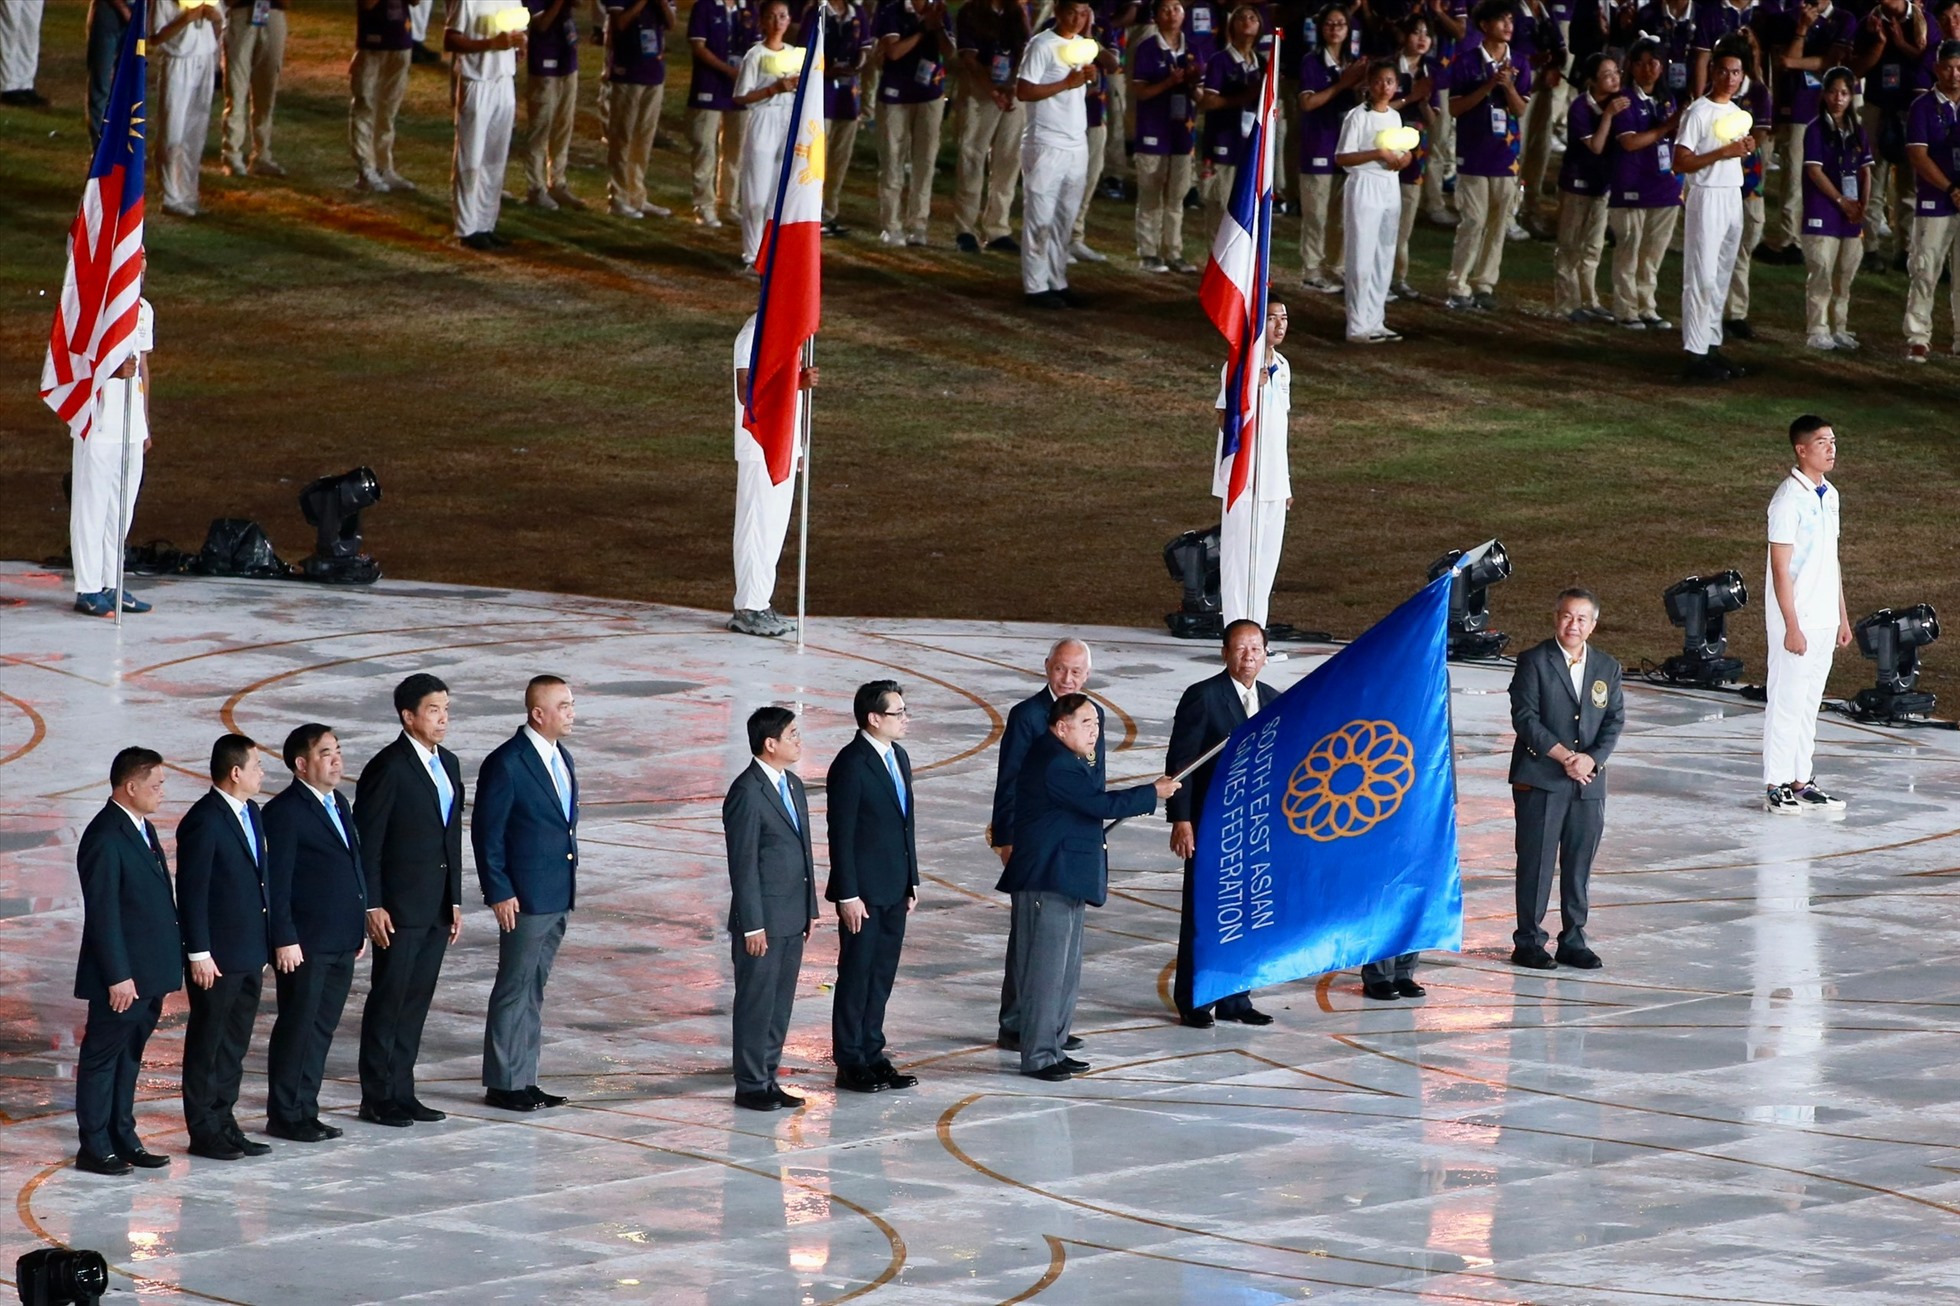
x=766 y=820
x=1568 y=710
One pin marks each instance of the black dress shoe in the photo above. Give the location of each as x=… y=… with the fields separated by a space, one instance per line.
x=416 y=1111
x=1004 y=245
x=216 y=1149
x=1734 y=369
x=385 y=1113
x=1007 y=1042
x=1075 y=1067
x=330 y=1131
x=860 y=1079
x=510 y=1099
x=761 y=1100
x=1073 y=298
x=304 y=1131
x=1250 y=1016
x=788 y=1101
x=1739 y=328
x=90 y=1163
x=1408 y=988
x=1379 y=990
x=480 y=242
x=1044 y=299
x=1055 y=1074
x=545 y=1099
x=1069 y=1044
x=892 y=1076
x=1197 y=1019
x=1580 y=958
x=1532 y=958
x=238 y=1140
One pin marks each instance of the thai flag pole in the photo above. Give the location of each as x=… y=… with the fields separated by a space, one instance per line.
x=804 y=398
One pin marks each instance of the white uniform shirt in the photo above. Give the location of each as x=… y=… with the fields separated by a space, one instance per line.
x=1060 y=122
x=1808 y=522
x=472 y=18
x=747 y=450
x=1358 y=132
x=1271 y=473
x=1576 y=670
x=773 y=111
x=1696 y=132
x=193 y=38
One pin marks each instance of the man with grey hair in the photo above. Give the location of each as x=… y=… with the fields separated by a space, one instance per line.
x=1067 y=672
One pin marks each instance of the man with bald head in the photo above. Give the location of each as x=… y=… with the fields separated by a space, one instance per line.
x=1066 y=672
x=525 y=832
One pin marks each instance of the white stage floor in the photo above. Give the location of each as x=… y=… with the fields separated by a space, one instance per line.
x=1758 y=1100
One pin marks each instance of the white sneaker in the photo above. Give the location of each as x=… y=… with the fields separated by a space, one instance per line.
x=618 y=208
x=1080 y=249
x=1845 y=340
x=1515 y=232
x=916 y=242
x=541 y=199
x=1182 y=267
x=707 y=218
x=397 y=182
x=1153 y=265
x=652 y=211
x=1442 y=218
x=1781 y=800
x=1876 y=224
x=891 y=238
x=373 y=181
x=1822 y=340
x=181 y=210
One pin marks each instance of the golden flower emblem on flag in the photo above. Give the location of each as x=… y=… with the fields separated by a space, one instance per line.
x=1349 y=782
x=812 y=154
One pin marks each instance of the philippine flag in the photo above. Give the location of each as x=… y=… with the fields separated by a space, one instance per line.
x=791 y=261
x=1233 y=291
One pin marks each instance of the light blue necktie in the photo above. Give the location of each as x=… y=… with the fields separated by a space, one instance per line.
x=443 y=791
x=898 y=781
x=251 y=835
x=564 y=785
x=333 y=814
x=789 y=805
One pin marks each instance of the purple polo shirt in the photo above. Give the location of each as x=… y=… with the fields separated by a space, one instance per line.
x=1935 y=123
x=637 y=52
x=1643 y=179
x=1582 y=172
x=1164 y=122
x=846 y=37
x=727 y=33
x=1715 y=19
x=385 y=27
x=1228 y=132
x=1677 y=38
x=1320 y=129
x=997 y=45
x=1204 y=30
x=1840 y=157
x=1487 y=136
x=914 y=78
x=1797 y=94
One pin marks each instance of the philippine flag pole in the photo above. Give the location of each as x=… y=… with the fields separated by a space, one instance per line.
x=777 y=410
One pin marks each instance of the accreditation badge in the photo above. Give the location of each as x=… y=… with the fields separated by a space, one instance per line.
x=1599 y=693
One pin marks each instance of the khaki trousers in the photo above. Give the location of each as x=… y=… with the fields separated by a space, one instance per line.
x=715 y=136
x=253 y=58
x=1411 y=201
x=1575 y=264
x=1442 y=164
x=1216 y=192
x=1829 y=265
x=1115 y=148
x=1320 y=198
x=1098 y=137
x=1162 y=182
x=379 y=79
x=989 y=167
x=1534 y=150
x=840 y=140
x=1883 y=191
x=550 y=108
x=1640 y=241
x=1935 y=243
x=908 y=138
x=184 y=113
x=629 y=142
x=1737 y=307
x=1483 y=204
x=1788 y=143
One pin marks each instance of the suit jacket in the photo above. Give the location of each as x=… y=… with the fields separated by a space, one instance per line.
x=222 y=906
x=129 y=919
x=1546 y=713
x=412 y=859
x=1027 y=722
x=1059 y=810
x=1208 y=712
x=874 y=849
x=316 y=888
x=770 y=866
x=525 y=847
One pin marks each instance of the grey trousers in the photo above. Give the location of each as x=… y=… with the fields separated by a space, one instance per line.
x=512 y=1025
x=1390 y=969
x=1049 y=926
x=765 y=988
x=1554 y=827
x=1010 y=977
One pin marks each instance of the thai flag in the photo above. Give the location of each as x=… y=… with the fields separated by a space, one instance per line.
x=791 y=261
x=1234 y=288
x=95 y=324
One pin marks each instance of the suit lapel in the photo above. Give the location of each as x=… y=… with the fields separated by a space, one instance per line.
x=237 y=827
x=1563 y=671
x=535 y=765
x=876 y=765
x=1230 y=688
x=142 y=839
x=775 y=797
x=413 y=756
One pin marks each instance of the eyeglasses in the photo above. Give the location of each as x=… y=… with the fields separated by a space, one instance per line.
x=904 y=712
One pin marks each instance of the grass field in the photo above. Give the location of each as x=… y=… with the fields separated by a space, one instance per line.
x=559 y=417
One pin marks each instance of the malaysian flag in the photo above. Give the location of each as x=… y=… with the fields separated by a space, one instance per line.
x=1234 y=288
x=94 y=328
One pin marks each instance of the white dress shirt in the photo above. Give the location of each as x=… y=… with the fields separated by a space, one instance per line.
x=237 y=806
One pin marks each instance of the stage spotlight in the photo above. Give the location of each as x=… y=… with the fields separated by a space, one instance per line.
x=1893 y=640
x=1700 y=606
x=57 y=1276
x=1192 y=560
x=332 y=506
x=1470 y=633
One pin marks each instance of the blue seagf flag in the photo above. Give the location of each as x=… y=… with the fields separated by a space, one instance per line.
x=1328 y=837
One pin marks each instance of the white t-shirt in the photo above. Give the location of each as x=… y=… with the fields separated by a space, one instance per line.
x=1358 y=132
x=1060 y=122
x=472 y=18
x=1271 y=472
x=1696 y=132
x=1808 y=522
x=773 y=111
x=747 y=450
x=193 y=38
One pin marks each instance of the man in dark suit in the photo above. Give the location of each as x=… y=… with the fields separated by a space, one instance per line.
x=1207 y=714
x=772 y=876
x=1067 y=671
x=130 y=958
x=408 y=806
x=1060 y=864
x=317 y=892
x=1567 y=706
x=874 y=880
x=525 y=832
x=222 y=909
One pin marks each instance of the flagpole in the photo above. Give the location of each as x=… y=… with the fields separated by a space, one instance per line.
x=122 y=484
x=1202 y=758
x=804 y=405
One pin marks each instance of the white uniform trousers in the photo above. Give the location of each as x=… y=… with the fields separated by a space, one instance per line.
x=254 y=56
x=1097 y=137
x=1830 y=263
x=1794 y=693
x=20 y=44
x=1709 y=242
x=184 y=107
x=1249 y=540
x=1052 y=181
x=761 y=521
x=989 y=167
x=418 y=20
x=379 y=79
x=1581 y=239
x=485 y=112
x=98 y=521
x=763 y=141
x=1371 y=213
x=908 y=136
x=1935 y=244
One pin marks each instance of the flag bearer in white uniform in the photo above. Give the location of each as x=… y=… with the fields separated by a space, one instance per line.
x=770 y=101
x=1371 y=205
x=1253 y=530
x=761 y=509
x=98 y=519
x=184 y=42
x=485 y=87
x=1054 y=154
x=1712 y=172
x=1806 y=617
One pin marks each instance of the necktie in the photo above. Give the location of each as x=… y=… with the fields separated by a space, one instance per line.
x=564 y=784
x=250 y=817
x=444 y=793
x=333 y=814
x=898 y=781
x=156 y=848
x=789 y=805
